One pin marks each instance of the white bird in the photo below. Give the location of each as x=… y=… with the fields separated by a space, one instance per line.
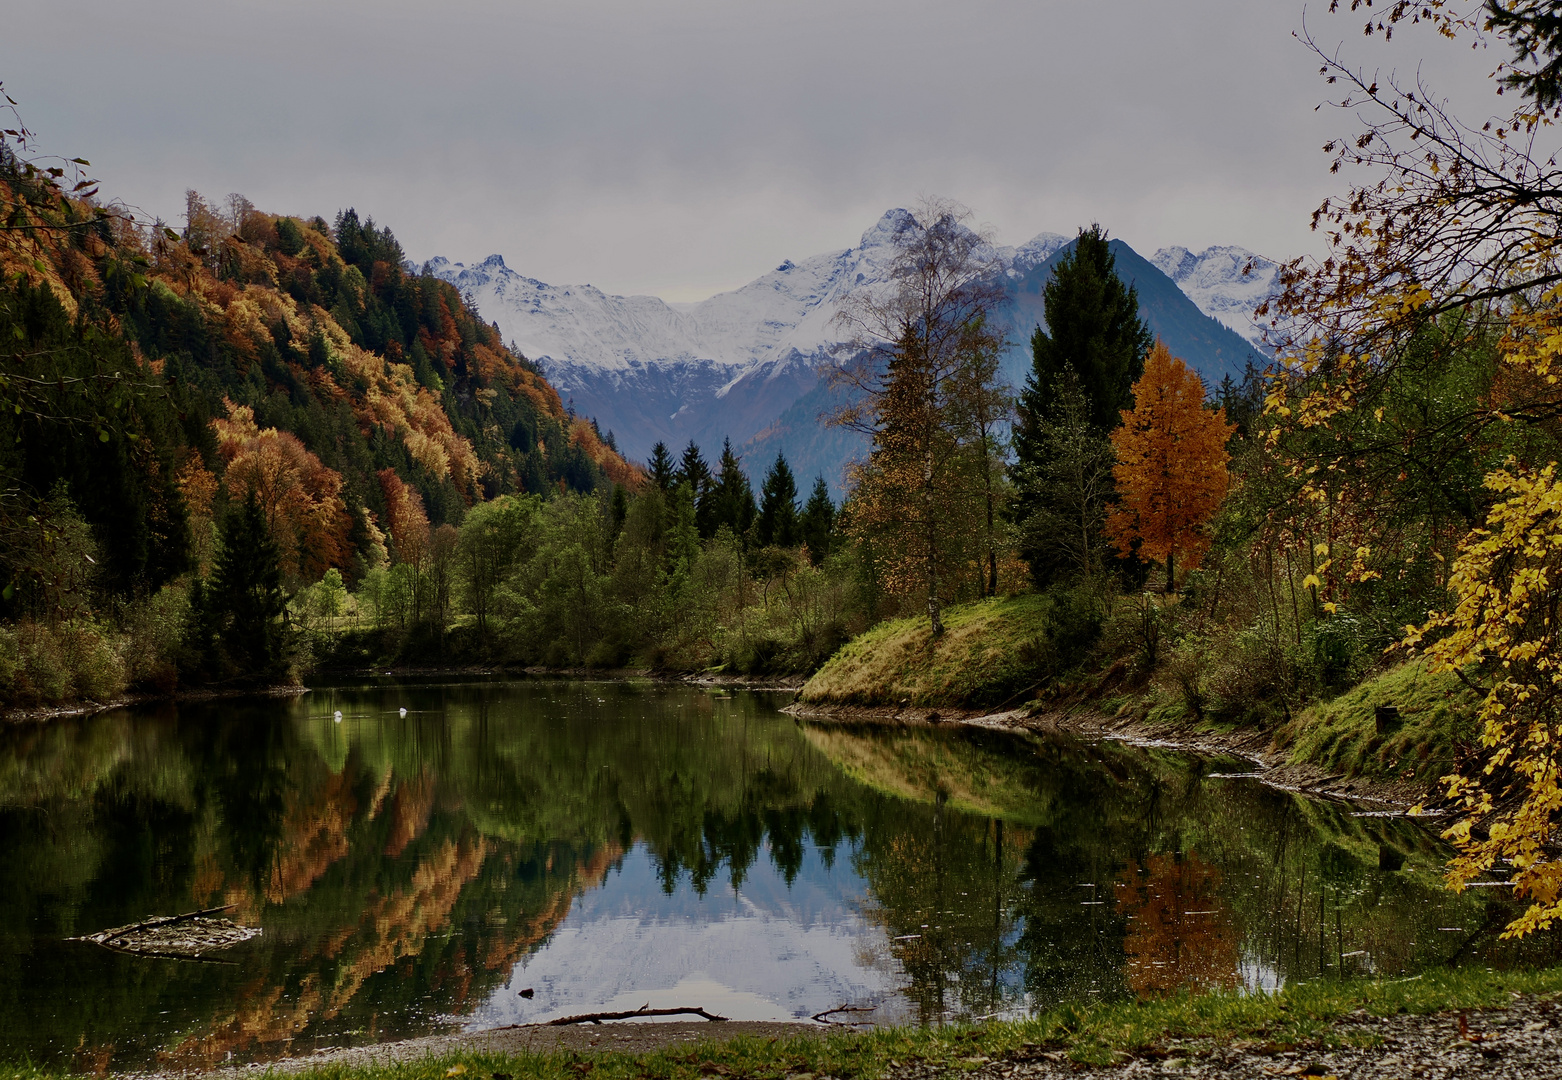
x=404 y=710
x=338 y=716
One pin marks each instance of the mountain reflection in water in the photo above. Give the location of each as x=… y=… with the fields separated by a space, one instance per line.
x=613 y=844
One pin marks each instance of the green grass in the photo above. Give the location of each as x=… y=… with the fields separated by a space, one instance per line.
x=1437 y=718
x=987 y=655
x=1099 y=1034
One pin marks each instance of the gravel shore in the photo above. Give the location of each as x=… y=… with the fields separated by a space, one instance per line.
x=1521 y=1041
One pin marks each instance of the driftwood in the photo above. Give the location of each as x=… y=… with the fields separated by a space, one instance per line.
x=644 y=1010
x=175 y=937
x=821 y=1016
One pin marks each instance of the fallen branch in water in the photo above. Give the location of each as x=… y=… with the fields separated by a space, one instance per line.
x=820 y=1016
x=104 y=936
x=644 y=1010
x=175 y=937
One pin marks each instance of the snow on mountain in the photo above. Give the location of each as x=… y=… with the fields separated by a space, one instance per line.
x=744 y=364
x=1215 y=280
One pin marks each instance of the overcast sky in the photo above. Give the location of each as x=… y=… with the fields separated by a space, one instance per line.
x=682 y=148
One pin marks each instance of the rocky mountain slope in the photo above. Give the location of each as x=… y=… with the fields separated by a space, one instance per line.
x=745 y=364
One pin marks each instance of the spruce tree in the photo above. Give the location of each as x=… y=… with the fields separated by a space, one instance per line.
x=1093 y=326
x=243 y=601
x=817 y=525
x=732 y=495
x=777 y=523
x=663 y=472
x=1095 y=341
x=695 y=474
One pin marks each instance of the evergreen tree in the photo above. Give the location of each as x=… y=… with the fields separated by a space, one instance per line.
x=777 y=523
x=243 y=604
x=817 y=525
x=732 y=496
x=1094 y=341
x=1093 y=326
x=664 y=473
x=1071 y=489
x=695 y=474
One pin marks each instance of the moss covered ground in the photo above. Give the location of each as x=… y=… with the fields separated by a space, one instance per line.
x=986 y=657
x=1436 y=721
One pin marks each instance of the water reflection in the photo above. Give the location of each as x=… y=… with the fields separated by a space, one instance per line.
x=611 y=844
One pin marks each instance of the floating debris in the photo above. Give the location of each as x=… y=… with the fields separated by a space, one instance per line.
x=180 y=937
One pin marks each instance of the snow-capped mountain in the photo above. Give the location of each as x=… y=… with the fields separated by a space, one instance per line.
x=1227 y=283
x=745 y=364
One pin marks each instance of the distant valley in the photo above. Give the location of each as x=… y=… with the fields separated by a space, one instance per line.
x=744 y=364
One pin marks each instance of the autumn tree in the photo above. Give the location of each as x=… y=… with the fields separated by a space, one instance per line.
x=909 y=379
x=299 y=496
x=1501 y=634
x=1171 y=467
x=1456 y=229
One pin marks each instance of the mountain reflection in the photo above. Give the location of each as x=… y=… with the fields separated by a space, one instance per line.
x=403 y=868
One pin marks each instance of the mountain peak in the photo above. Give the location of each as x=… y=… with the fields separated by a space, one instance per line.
x=493 y=262
x=887 y=228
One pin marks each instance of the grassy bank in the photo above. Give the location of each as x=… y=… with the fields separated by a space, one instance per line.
x=1100 y=1035
x=1436 y=722
x=991 y=651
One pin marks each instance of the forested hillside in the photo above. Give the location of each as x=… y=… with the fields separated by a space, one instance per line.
x=153 y=379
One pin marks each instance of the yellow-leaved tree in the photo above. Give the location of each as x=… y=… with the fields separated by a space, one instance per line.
x=1503 y=631
x=1171 y=467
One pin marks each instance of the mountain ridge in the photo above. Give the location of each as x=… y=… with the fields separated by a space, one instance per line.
x=739 y=363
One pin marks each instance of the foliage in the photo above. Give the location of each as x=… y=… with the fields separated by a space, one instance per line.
x=992 y=653
x=1064 y=490
x=1093 y=329
x=1501 y=631
x=923 y=382
x=1171 y=467
x=1451 y=245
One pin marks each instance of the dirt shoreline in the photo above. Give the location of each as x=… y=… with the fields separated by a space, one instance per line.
x=624 y=1037
x=1520 y=1041
x=41 y=713
x=1250 y=744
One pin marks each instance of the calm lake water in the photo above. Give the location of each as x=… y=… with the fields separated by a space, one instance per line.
x=609 y=845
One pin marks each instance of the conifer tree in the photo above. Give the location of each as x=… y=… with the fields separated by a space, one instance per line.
x=1093 y=326
x=663 y=471
x=817 y=525
x=1094 y=341
x=1171 y=467
x=732 y=496
x=243 y=602
x=695 y=474
x=777 y=523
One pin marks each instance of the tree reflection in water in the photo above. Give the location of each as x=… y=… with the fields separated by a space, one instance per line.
x=401 y=866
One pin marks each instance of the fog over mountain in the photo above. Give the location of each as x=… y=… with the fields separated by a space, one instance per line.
x=746 y=364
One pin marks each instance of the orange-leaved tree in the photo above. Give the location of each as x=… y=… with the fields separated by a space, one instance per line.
x=1171 y=467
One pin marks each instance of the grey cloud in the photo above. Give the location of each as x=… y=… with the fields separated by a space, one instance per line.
x=684 y=147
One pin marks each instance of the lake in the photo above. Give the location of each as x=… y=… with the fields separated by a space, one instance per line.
x=608 y=845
